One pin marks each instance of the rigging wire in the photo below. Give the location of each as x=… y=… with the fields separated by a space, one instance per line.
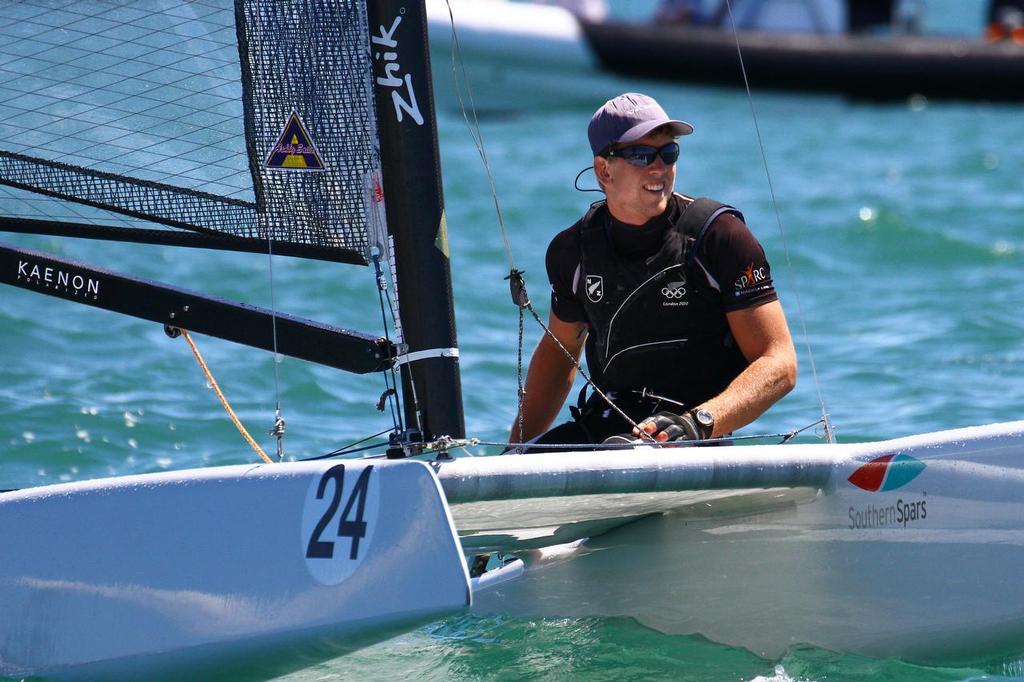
x=474 y=132
x=785 y=436
x=350 y=448
x=590 y=382
x=520 y=388
x=278 y=429
x=391 y=386
x=391 y=393
x=515 y=275
x=517 y=283
x=829 y=433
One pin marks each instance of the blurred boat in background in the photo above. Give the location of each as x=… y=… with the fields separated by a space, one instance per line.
x=516 y=55
x=525 y=53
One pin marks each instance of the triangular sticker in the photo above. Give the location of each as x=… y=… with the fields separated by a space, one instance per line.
x=294 y=150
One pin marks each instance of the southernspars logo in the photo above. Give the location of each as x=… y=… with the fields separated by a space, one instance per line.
x=887 y=472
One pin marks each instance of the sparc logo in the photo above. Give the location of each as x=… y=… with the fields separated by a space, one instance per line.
x=595 y=288
x=751 y=276
x=886 y=473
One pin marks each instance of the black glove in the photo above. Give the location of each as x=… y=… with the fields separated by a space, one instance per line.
x=674 y=426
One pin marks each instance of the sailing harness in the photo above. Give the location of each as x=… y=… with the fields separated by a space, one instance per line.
x=656 y=324
x=638 y=323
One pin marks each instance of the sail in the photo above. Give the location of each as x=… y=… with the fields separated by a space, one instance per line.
x=234 y=124
x=246 y=125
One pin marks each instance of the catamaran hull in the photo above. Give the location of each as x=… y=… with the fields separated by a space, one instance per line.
x=252 y=570
x=920 y=562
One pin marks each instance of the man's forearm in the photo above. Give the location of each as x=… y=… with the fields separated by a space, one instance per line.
x=758 y=387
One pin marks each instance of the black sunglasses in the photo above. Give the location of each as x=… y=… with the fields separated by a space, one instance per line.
x=643 y=155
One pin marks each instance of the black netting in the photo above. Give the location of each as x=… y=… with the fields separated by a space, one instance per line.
x=169 y=205
x=319 y=68
x=136 y=112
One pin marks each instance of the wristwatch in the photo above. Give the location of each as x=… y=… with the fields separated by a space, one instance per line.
x=705 y=420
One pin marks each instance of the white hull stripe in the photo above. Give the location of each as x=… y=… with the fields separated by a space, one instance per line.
x=426 y=354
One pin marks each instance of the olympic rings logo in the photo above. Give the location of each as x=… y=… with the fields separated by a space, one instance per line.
x=676 y=293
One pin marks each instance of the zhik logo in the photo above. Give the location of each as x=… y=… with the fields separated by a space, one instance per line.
x=886 y=473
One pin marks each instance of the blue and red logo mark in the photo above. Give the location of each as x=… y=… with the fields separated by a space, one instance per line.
x=887 y=472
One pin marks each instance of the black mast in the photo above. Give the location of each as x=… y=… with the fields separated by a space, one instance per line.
x=414 y=204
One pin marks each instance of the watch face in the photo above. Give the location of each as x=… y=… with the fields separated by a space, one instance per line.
x=705 y=418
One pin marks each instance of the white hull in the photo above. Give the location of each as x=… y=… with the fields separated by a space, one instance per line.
x=927 y=571
x=211 y=570
x=762 y=547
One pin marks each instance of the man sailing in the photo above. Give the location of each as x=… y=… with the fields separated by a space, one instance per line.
x=671 y=297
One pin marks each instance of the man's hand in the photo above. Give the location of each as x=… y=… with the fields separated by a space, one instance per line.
x=666 y=426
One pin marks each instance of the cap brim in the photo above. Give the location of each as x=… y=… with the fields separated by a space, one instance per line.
x=678 y=128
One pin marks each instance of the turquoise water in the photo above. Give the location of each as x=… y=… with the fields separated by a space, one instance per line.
x=903 y=230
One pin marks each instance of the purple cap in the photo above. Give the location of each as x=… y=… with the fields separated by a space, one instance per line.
x=627 y=118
